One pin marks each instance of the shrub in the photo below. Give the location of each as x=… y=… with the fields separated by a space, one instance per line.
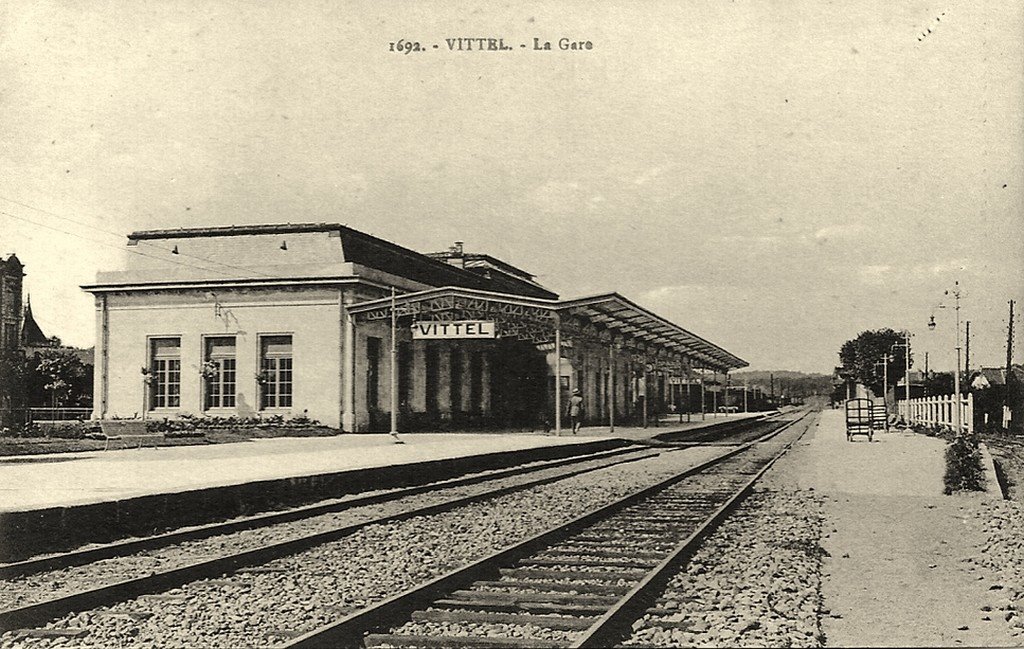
x=65 y=429
x=963 y=465
x=188 y=422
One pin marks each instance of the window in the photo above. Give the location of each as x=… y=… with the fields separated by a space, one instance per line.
x=219 y=372
x=165 y=373
x=476 y=382
x=433 y=362
x=276 y=371
x=372 y=373
x=455 y=363
x=404 y=374
x=10 y=335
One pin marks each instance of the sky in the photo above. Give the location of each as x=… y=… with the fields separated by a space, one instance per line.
x=773 y=176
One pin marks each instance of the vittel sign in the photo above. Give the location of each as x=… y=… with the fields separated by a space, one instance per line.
x=457 y=329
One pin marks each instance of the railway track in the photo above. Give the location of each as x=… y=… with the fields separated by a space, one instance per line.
x=580 y=584
x=32 y=618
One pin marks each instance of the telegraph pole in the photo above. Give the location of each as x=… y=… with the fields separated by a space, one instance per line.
x=967 y=352
x=956 y=374
x=1009 y=342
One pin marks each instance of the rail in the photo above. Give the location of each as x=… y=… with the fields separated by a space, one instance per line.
x=349 y=631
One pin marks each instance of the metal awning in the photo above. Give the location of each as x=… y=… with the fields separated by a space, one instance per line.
x=623 y=316
x=535 y=319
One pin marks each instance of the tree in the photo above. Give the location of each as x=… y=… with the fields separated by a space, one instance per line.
x=862 y=358
x=13 y=371
x=938 y=383
x=57 y=377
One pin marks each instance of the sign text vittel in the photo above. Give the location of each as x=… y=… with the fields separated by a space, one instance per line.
x=459 y=329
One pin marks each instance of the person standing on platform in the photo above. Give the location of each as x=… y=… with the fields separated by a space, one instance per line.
x=575 y=411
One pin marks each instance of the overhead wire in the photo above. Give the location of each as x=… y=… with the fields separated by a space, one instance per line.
x=146 y=243
x=109 y=245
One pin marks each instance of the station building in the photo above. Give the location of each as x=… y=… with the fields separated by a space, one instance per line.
x=305 y=319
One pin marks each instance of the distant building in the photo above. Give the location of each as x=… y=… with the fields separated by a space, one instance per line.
x=32 y=336
x=11 y=277
x=287 y=319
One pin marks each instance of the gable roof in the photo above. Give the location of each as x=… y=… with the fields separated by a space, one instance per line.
x=31 y=333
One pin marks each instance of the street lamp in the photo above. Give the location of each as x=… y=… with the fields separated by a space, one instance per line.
x=886 y=359
x=906 y=369
x=956 y=369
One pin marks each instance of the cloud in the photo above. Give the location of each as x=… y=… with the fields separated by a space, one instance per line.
x=558 y=197
x=875 y=273
x=840 y=231
x=352 y=186
x=675 y=292
x=650 y=174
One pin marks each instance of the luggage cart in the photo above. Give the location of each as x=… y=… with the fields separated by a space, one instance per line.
x=858 y=418
x=879 y=418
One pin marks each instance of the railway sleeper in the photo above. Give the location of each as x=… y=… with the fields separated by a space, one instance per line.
x=623 y=540
x=627 y=545
x=596 y=575
x=69 y=632
x=134 y=616
x=626 y=528
x=668 y=519
x=555 y=622
x=543 y=585
x=522 y=606
x=594 y=551
x=471 y=642
x=547 y=598
x=576 y=560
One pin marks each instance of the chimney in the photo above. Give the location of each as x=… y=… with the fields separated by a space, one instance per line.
x=455 y=255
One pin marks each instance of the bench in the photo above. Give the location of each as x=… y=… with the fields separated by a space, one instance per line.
x=125 y=430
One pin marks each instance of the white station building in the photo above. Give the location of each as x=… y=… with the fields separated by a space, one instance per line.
x=300 y=319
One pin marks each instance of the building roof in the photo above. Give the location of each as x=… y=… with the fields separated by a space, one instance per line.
x=31 y=333
x=987 y=377
x=610 y=311
x=503 y=276
x=356 y=248
x=622 y=315
x=11 y=262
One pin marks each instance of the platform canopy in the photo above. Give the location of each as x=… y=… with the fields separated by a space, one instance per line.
x=626 y=318
x=609 y=317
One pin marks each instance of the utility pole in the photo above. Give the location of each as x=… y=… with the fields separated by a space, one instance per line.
x=1009 y=343
x=967 y=352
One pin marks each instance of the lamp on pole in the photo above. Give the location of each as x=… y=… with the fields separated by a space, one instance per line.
x=394 y=368
x=886 y=359
x=956 y=368
x=906 y=369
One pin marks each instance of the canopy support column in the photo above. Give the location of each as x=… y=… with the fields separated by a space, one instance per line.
x=394 y=367
x=558 y=376
x=348 y=415
x=611 y=387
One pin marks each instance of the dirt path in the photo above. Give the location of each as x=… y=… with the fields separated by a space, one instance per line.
x=897 y=574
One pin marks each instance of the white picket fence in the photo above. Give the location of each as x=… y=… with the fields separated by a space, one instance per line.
x=938 y=411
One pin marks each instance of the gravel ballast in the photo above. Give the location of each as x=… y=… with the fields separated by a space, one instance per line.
x=754 y=582
x=298 y=593
x=1001 y=557
x=56 y=583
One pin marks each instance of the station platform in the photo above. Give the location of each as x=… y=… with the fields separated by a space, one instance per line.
x=895 y=546
x=39 y=481
x=61 y=494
